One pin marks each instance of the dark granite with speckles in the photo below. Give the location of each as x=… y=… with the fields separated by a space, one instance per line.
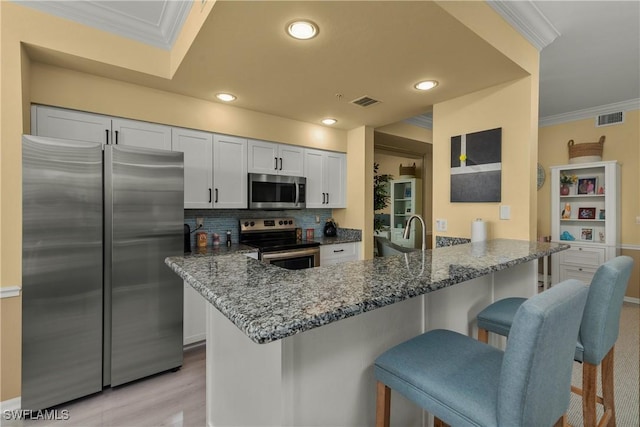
x=269 y=303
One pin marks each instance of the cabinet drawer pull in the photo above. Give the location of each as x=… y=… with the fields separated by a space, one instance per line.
x=580 y=269
x=579 y=249
x=339 y=250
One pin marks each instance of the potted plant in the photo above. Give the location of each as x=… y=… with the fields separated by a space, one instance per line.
x=565 y=182
x=380 y=194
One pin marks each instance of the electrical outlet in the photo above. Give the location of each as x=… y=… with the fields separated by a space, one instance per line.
x=199 y=222
x=441 y=225
x=317 y=219
x=638 y=220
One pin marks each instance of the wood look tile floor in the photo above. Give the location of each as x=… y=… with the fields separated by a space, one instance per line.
x=171 y=399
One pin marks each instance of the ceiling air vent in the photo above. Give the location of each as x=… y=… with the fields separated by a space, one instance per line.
x=610 y=119
x=365 y=101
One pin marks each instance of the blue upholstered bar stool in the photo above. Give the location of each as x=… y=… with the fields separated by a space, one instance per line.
x=464 y=382
x=598 y=334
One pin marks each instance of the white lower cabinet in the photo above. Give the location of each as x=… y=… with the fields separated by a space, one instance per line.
x=195 y=319
x=338 y=253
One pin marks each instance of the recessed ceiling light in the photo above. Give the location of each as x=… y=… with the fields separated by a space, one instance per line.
x=426 y=85
x=226 y=97
x=302 y=29
x=329 y=121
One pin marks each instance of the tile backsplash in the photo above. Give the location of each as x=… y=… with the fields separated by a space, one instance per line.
x=219 y=221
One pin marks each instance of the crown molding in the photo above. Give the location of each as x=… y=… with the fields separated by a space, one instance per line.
x=161 y=34
x=527 y=19
x=423 y=121
x=589 y=113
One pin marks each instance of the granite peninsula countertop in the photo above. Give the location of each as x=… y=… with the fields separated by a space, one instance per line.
x=269 y=303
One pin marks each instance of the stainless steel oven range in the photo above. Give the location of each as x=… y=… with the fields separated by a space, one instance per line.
x=277 y=243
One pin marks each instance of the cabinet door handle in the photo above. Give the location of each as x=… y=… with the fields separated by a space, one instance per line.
x=280 y=163
x=580 y=269
x=579 y=249
x=107 y=139
x=216 y=201
x=116 y=137
x=327 y=198
x=323 y=198
x=336 y=251
x=209 y=195
x=275 y=167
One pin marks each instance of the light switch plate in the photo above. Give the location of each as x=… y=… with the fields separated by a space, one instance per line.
x=505 y=212
x=441 y=225
x=199 y=222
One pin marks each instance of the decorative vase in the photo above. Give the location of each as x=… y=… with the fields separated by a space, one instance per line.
x=564 y=190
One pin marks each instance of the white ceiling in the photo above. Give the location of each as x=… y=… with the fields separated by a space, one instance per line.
x=378 y=49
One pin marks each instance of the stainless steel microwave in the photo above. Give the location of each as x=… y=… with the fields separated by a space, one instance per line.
x=276 y=191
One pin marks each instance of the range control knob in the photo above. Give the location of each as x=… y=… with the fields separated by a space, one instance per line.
x=280 y=222
x=253 y=223
x=246 y=223
x=290 y=222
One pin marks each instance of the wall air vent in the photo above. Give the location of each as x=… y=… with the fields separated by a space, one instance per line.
x=610 y=119
x=365 y=101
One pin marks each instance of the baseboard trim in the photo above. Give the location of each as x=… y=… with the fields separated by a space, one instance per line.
x=632 y=300
x=9 y=291
x=11 y=404
x=193 y=345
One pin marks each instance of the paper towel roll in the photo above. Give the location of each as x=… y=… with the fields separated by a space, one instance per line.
x=478 y=230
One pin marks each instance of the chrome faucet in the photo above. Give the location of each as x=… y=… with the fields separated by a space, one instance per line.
x=407 y=230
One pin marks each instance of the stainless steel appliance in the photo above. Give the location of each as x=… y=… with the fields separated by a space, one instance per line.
x=276 y=191
x=277 y=243
x=99 y=306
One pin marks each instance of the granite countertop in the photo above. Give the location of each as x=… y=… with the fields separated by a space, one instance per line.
x=269 y=303
x=223 y=249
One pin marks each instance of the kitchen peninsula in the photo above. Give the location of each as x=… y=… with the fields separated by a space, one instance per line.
x=316 y=332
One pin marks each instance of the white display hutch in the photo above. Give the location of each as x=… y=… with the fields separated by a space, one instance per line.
x=593 y=221
x=406 y=200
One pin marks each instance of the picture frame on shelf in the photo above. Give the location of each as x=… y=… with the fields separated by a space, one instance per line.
x=586 y=234
x=587 y=185
x=586 y=213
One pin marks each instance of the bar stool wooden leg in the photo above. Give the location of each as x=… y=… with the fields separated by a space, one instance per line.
x=562 y=422
x=437 y=422
x=383 y=405
x=483 y=335
x=607 y=390
x=589 y=387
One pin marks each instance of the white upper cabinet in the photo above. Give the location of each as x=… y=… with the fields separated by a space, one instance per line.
x=141 y=134
x=275 y=159
x=229 y=172
x=68 y=124
x=79 y=126
x=198 y=166
x=326 y=178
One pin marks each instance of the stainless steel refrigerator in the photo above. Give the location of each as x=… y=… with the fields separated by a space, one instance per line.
x=99 y=306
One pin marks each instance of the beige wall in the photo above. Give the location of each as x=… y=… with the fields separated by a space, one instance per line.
x=359 y=212
x=507 y=106
x=622 y=143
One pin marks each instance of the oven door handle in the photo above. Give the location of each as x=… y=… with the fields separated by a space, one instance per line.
x=292 y=253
